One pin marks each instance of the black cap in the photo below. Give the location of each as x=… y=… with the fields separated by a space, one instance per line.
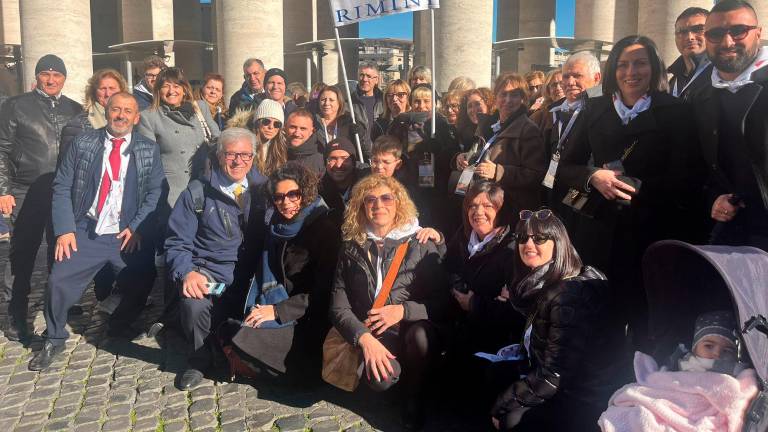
x=340 y=143
x=275 y=71
x=50 y=62
x=720 y=323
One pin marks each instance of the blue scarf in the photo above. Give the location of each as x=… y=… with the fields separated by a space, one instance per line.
x=265 y=288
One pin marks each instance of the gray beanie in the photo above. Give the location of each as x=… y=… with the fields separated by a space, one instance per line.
x=719 y=323
x=270 y=109
x=51 y=62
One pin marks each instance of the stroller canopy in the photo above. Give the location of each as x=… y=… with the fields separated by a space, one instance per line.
x=683 y=281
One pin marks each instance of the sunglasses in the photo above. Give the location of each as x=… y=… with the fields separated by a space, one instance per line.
x=292 y=196
x=268 y=121
x=541 y=215
x=386 y=199
x=695 y=29
x=538 y=239
x=737 y=32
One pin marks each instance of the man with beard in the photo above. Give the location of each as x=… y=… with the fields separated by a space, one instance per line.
x=691 y=71
x=104 y=197
x=733 y=120
x=340 y=175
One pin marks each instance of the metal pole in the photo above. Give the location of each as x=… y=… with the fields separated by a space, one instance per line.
x=498 y=64
x=309 y=72
x=349 y=94
x=129 y=74
x=434 y=72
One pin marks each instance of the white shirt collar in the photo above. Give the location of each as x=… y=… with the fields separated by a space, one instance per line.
x=57 y=96
x=745 y=77
x=126 y=137
x=625 y=113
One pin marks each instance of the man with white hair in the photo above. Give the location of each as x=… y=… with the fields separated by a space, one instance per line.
x=205 y=239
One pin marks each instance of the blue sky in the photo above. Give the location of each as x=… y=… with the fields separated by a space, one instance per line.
x=401 y=26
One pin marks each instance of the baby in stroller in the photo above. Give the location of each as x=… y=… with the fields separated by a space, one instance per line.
x=705 y=389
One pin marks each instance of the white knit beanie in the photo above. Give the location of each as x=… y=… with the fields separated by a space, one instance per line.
x=270 y=109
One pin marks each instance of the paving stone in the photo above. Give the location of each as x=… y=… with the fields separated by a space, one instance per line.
x=88 y=427
x=62 y=413
x=231 y=414
x=60 y=425
x=20 y=388
x=177 y=427
x=146 y=423
x=87 y=415
x=30 y=427
x=236 y=426
x=148 y=410
x=38 y=406
x=33 y=419
x=122 y=396
x=21 y=378
x=355 y=428
x=232 y=399
x=174 y=413
x=258 y=405
x=326 y=426
x=118 y=410
x=321 y=414
x=260 y=421
x=203 y=392
x=120 y=424
x=43 y=393
x=203 y=420
x=294 y=423
x=11 y=401
x=11 y=412
x=202 y=406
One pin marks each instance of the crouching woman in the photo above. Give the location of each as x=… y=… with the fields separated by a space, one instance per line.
x=400 y=338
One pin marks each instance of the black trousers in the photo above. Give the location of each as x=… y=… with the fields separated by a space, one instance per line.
x=69 y=279
x=198 y=319
x=31 y=219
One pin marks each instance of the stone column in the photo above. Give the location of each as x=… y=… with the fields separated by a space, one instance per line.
x=595 y=19
x=331 y=72
x=761 y=7
x=422 y=47
x=508 y=27
x=10 y=22
x=537 y=18
x=188 y=25
x=248 y=28
x=625 y=21
x=147 y=20
x=69 y=38
x=463 y=38
x=299 y=26
x=657 y=20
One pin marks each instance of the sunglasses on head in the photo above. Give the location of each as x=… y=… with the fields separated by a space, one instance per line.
x=737 y=32
x=268 y=121
x=538 y=239
x=292 y=196
x=542 y=214
x=386 y=199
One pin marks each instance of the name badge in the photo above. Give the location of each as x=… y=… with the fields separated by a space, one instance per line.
x=465 y=180
x=427 y=171
x=549 y=178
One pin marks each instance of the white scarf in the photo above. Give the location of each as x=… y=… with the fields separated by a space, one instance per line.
x=745 y=77
x=694 y=363
x=475 y=245
x=628 y=114
x=396 y=234
x=568 y=106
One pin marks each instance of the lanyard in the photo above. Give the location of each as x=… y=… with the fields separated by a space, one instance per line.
x=487 y=146
x=568 y=127
x=703 y=65
x=335 y=131
x=123 y=168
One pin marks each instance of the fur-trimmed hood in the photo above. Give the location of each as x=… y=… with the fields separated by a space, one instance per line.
x=241 y=118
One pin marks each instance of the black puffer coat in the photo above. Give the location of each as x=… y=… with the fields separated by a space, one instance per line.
x=489 y=324
x=576 y=354
x=419 y=286
x=30 y=128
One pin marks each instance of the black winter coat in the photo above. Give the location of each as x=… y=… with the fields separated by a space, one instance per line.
x=576 y=353
x=419 y=285
x=30 y=129
x=74 y=127
x=344 y=128
x=489 y=323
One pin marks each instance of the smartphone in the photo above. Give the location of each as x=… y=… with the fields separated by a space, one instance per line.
x=215 y=289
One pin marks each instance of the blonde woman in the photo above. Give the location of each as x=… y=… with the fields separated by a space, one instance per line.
x=267 y=122
x=396 y=101
x=398 y=340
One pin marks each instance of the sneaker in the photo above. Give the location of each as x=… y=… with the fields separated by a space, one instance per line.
x=109 y=304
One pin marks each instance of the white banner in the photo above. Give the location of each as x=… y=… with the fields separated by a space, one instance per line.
x=352 y=11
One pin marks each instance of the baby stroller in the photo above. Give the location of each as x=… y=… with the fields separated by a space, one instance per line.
x=683 y=281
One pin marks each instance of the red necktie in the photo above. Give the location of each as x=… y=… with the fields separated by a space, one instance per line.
x=114 y=163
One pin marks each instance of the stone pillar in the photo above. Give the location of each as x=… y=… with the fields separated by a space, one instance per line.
x=147 y=20
x=657 y=20
x=299 y=26
x=422 y=48
x=508 y=27
x=69 y=39
x=536 y=18
x=331 y=68
x=248 y=28
x=625 y=21
x=463 y=38
x=761 y=7
x=10 y=22
x=595 y=19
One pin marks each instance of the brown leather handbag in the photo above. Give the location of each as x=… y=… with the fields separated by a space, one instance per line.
x=342 y=360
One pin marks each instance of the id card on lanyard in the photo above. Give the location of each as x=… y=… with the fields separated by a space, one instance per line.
x=468 y=174
x=549 y=178
x=427 y=171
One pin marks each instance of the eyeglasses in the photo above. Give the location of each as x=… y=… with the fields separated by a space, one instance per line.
x=268 y=121
x=386 y=199
x=452 y=107
x=245 y=157
x=538 y=239
x=695 y=29
x=542 y=214
x=737 y=32
x=379 y=162
x=292 y=196
x=399 y=95
x=151 y=75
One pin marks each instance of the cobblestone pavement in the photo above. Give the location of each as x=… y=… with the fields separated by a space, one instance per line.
x=104 y=384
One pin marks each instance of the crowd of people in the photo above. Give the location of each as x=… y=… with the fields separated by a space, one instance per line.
x=301 y=235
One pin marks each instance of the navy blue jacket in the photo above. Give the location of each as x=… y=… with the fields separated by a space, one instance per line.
x=212 y=240
x=79 y=176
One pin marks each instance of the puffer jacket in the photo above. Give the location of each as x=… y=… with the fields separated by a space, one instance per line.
x=419 y=285
x=30 y=129
x=577 y=354
x=179 y=139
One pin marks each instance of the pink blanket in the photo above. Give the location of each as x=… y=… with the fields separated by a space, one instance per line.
x=662 y=401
